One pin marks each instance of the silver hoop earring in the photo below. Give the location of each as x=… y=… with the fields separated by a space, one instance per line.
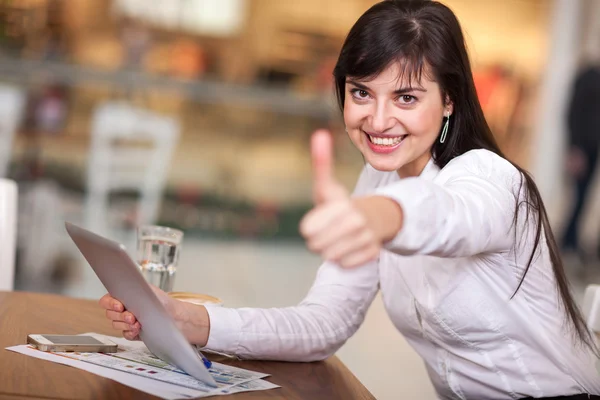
x=445 y=129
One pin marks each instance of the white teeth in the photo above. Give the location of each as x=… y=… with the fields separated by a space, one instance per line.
x=386 y=141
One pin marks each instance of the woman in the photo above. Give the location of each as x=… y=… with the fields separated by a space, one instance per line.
x=454 y=235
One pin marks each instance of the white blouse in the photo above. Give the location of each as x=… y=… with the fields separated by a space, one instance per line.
x=446 y=280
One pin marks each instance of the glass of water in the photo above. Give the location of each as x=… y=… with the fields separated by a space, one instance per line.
x=158 y=250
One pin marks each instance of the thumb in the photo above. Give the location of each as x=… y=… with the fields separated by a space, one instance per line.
x=325 y=187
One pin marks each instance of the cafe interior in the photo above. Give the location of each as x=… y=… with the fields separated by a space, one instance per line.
x=208 y=106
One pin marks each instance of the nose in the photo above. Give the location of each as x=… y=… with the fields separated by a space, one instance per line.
x=381 y=118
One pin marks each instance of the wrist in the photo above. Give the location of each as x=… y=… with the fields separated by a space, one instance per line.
x=194 y=323
x=383 y=215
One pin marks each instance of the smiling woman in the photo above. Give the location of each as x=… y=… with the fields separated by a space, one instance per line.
x=394 y=120
x=455 y=236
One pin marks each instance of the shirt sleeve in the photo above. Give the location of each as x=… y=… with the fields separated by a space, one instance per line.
x=315 y=329
x=332 y=311
x=468 y=209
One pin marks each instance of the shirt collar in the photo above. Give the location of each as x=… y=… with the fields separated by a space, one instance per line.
x=430 y=171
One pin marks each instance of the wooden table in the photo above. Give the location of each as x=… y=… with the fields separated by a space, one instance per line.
x=22 y=376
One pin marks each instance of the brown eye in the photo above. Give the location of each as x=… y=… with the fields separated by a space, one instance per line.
x=359 y=94
x=407 y=99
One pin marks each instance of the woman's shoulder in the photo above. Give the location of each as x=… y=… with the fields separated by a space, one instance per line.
x=478 y=163
x=482 y=163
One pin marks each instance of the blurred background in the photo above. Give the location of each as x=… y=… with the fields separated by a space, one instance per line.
x=196 y=114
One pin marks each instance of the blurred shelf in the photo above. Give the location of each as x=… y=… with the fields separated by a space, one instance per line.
x=280 y=100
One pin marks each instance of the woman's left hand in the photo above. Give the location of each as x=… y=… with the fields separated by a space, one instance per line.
x=338 y=227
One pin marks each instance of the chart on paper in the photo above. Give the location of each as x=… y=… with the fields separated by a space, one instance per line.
x=142 y=362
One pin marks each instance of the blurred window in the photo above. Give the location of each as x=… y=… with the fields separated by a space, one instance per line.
x=205 y=17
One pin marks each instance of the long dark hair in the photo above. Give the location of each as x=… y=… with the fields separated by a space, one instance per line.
x=425 y=37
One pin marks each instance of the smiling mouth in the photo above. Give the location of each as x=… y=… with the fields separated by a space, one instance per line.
x=387 y=141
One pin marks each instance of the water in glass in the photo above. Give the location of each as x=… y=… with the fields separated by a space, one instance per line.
x=157 y=259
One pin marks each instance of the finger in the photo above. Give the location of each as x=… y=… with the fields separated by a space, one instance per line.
x=360 y=258
x=110 y=303
x=131 y=335
x=123 y=326
x=345 y=227
x=106 y=301
x=319 y=218
x=124 y=316
x=129 y=318
x=114 y=315
x=321 y=148
x=346 y=246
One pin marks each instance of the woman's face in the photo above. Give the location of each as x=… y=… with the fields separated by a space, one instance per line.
x=393 y=125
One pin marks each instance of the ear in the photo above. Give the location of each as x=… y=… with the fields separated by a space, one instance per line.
x=448 y=106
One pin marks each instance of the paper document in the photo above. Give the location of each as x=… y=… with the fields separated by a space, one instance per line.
x=133 y=365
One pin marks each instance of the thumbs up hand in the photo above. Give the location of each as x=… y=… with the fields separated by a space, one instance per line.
x=325 y=187
x=338 y=227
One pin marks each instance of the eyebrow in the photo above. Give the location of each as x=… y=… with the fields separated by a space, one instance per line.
x=400 y=91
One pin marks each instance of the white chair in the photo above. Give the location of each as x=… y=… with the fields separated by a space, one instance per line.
x=8 y=232
x=40 y=231
x=12 y=105
x=131 y=149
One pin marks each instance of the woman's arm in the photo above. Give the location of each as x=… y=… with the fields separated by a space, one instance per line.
x=383 y=215
x=313 y=330
x=467 y=210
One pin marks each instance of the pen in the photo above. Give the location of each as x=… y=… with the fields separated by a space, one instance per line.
x=205 y=360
